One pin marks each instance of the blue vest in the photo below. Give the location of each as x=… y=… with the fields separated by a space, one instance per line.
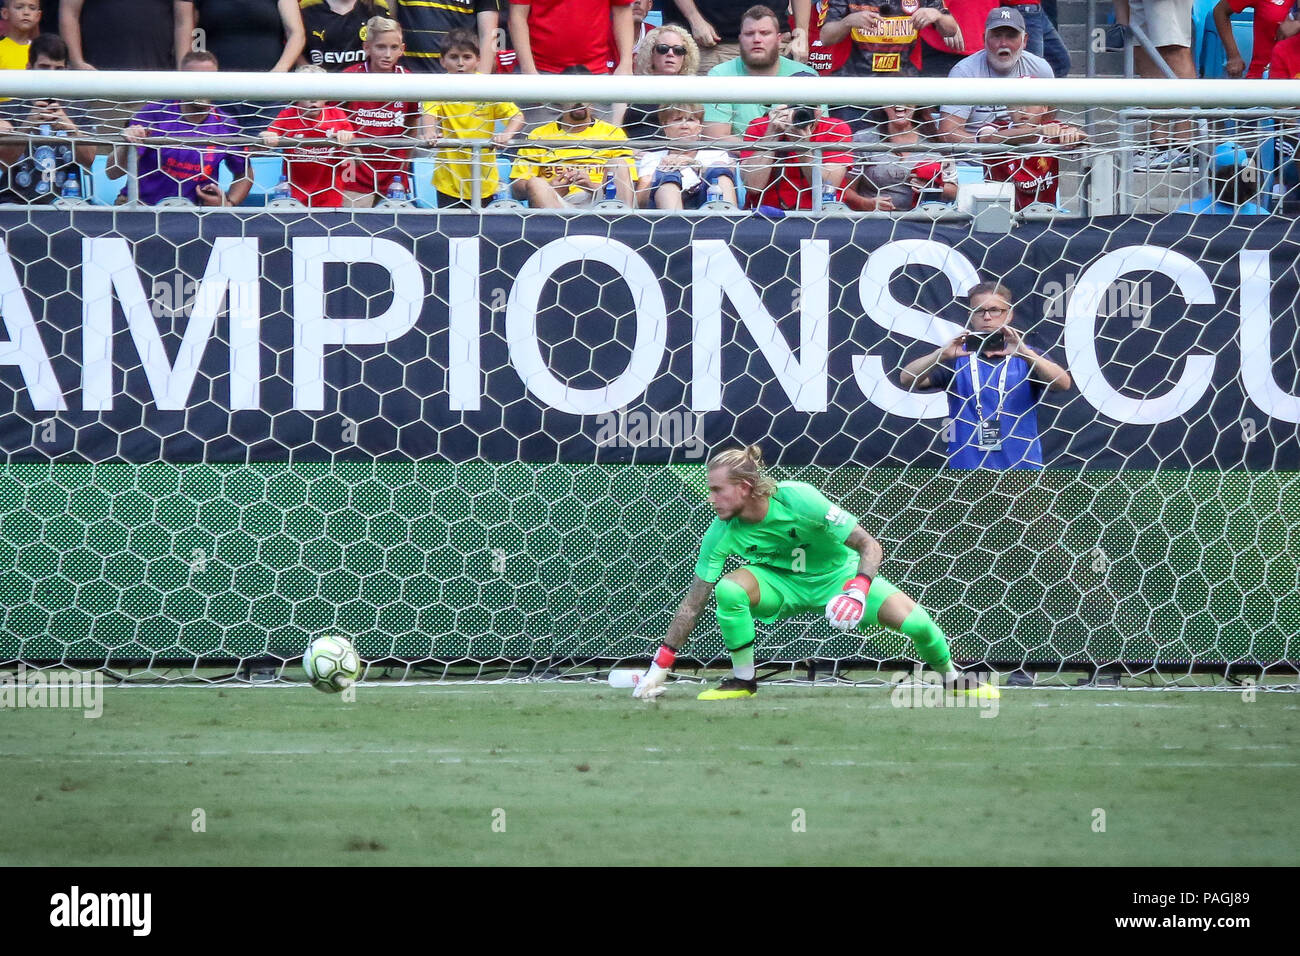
x=1020 y=445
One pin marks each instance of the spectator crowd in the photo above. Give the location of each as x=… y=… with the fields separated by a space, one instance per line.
x=781 y=156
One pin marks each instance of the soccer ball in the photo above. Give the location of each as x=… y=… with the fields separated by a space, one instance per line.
x=331 y=664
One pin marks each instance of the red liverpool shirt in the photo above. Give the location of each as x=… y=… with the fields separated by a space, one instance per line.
x=790 y=187
x=376 y=165
x=312 y=167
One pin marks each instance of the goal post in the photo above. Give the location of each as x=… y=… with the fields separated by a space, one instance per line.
x=474 y=444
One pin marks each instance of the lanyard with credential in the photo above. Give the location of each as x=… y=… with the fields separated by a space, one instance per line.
x=975 y=381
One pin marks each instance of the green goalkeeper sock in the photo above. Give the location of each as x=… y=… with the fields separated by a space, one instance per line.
x=736 y=621
x=931 y=644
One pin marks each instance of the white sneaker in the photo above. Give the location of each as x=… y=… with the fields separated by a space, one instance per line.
x=1171 y=159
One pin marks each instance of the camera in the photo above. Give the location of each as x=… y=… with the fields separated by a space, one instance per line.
x=985 y=342
x=803 y=116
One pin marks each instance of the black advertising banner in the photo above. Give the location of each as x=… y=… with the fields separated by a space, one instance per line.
x=140 y=336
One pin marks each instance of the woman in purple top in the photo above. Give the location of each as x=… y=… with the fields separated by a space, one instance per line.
x=188 y=172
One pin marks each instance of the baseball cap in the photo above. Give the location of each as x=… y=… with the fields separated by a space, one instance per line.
x=1004 y=17
x=1230 y=154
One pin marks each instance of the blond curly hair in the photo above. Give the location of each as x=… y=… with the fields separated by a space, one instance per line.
x=745 y=464
x=690 y=62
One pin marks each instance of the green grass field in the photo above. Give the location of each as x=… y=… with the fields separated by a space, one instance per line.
x=413 y=775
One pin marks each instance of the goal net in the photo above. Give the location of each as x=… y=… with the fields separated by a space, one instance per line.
x=474 y=442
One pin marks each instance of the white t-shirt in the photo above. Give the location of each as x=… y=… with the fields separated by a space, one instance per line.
x=976 y=66
x=692 y=175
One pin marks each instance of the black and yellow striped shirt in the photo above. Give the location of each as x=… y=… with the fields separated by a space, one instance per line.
x=333 y=39
x=426 y=23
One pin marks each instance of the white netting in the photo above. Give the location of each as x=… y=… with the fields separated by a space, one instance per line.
x=473 y=443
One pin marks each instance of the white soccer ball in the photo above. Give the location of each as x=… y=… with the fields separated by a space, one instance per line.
x=331 y=663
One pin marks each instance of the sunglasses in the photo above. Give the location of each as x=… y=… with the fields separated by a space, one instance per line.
x=663 y=49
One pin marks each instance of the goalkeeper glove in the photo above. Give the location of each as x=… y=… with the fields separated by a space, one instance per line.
x=651 y=685
x=844 y=611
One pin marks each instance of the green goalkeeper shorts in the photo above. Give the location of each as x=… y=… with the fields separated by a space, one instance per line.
x=803 y=593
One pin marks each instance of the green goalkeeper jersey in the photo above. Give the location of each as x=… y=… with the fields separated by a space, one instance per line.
x=801 y=532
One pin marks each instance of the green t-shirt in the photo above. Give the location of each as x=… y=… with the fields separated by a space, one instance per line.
x=801 y=526
x=739 y=115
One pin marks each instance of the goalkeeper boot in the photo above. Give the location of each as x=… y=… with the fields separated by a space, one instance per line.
x=970 y=685
x=732 y=688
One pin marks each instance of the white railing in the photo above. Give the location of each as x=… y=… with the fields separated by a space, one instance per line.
x=520 y=88
x=1204 y=100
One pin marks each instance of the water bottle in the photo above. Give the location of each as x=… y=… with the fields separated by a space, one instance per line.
x=715 y=200
x=72 y=187
x=45 y=164
x=503 y=201
x=828 y=196
x=282 y=190
x=397 y=190
x=609 y=200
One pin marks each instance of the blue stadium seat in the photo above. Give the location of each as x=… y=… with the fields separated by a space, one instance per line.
x=1265 y=154
x=266 y=174
x=1208 y=53
x=267 y=171
x=425 y=196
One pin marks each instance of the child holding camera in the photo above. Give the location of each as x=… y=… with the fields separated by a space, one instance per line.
x=779 y=153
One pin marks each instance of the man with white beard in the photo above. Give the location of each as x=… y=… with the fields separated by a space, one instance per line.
x=1004 y=56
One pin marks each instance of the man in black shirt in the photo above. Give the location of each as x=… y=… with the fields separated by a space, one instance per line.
x=335 y=30
x=119 y=34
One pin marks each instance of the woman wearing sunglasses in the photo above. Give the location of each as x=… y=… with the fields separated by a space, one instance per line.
x=668 y=50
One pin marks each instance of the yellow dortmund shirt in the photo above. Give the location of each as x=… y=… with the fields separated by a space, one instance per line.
x=546 y=161
x=454 y=174
x=13 y=56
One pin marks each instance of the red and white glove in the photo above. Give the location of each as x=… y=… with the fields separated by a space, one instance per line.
x=844 y=611
x=651 y=684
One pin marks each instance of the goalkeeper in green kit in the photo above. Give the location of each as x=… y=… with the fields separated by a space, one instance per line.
x=805 y=555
